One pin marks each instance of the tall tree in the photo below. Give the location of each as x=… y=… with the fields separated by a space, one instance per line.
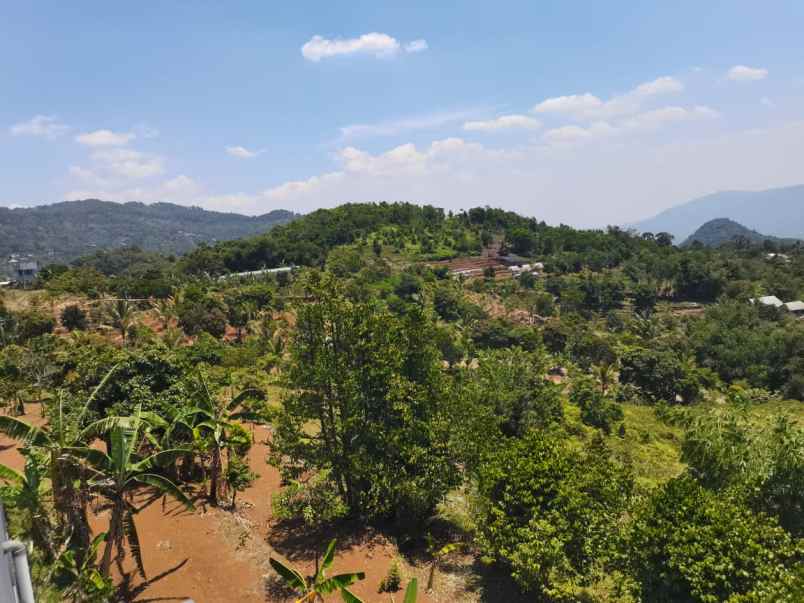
x=371 y=384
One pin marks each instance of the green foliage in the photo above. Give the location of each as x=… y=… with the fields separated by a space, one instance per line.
x=202 y=312
x=550 y=513
x=660 y=375
x=371 y=384
x=597 y=410
x=73 y=318
x=688 y=544
x=315 y=587
x=763 y=465
x=33 y=323
x=314 y=500
x=392 y=581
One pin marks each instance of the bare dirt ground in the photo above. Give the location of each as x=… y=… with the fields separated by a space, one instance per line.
x=215 y=555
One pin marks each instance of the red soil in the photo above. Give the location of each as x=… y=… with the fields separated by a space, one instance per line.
x=214 y=555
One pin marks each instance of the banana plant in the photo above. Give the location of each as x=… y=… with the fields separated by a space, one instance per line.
x=219 y=419
x=86 y=583
x=313 y=588
x=28 y=491
x=119 y=475
x=62 y=433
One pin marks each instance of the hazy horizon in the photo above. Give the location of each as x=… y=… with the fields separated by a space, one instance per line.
x=576 y=114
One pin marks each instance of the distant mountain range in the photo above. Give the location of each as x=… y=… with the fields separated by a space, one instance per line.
x=722 y=230
x=778 y=212
x=64 y=231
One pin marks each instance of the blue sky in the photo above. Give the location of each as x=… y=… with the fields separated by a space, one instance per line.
x=586 y=113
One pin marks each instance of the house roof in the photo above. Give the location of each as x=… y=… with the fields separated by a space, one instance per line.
x=770 y=300
x=795 y=306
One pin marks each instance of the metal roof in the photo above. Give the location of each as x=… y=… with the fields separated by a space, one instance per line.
x=770 y=300
x=795 y=306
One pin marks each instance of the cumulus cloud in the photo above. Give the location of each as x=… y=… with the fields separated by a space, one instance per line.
x=288 y=190
x=105 y=138
x=573 y=134
x=181 y=189
x=742 y=73
x=43 y=126
x=504 y=122
x=661 y=85
x=242 y=152
x=572 y=104
x=129 y=164
x=587 y=106
x=375 y=44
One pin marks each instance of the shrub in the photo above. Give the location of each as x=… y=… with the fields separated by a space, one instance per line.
x=393 y=579
x=548 y=512
x=73 y=318
x=316 y=501
x=690 y=544
x=33 y=323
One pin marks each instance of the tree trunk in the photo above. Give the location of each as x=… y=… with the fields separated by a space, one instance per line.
x=215 y=470
x=111 y=538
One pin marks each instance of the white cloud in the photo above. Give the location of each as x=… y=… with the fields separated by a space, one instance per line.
x=294 y=188
x=589 y=107
x=44 y=126
x=105 y=138
x=661 y=85
x=242 y=152
x=398 y=126
x=181 y=189
x=742 y=73
x=128 y=163
x=652 y=120
x=573 y=134
x=504 y=122
x=377 y=44
x=767 y=102
x=416 y=46
x=572 y=104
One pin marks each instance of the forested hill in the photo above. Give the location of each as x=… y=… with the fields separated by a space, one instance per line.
x=64 y=231
x=723 y=231
x=415 y=232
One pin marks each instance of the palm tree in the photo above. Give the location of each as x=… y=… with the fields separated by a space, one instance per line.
x=118 y=475
x=122 y=315
x=313 y=588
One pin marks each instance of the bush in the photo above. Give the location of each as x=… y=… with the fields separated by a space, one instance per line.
x=316 y=501
x=548 y=512
x=73 y=318
x=393 y=579
x=689 y=544
x=32 y=323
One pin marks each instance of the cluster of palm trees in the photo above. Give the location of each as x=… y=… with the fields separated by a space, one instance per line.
x=117 y=465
